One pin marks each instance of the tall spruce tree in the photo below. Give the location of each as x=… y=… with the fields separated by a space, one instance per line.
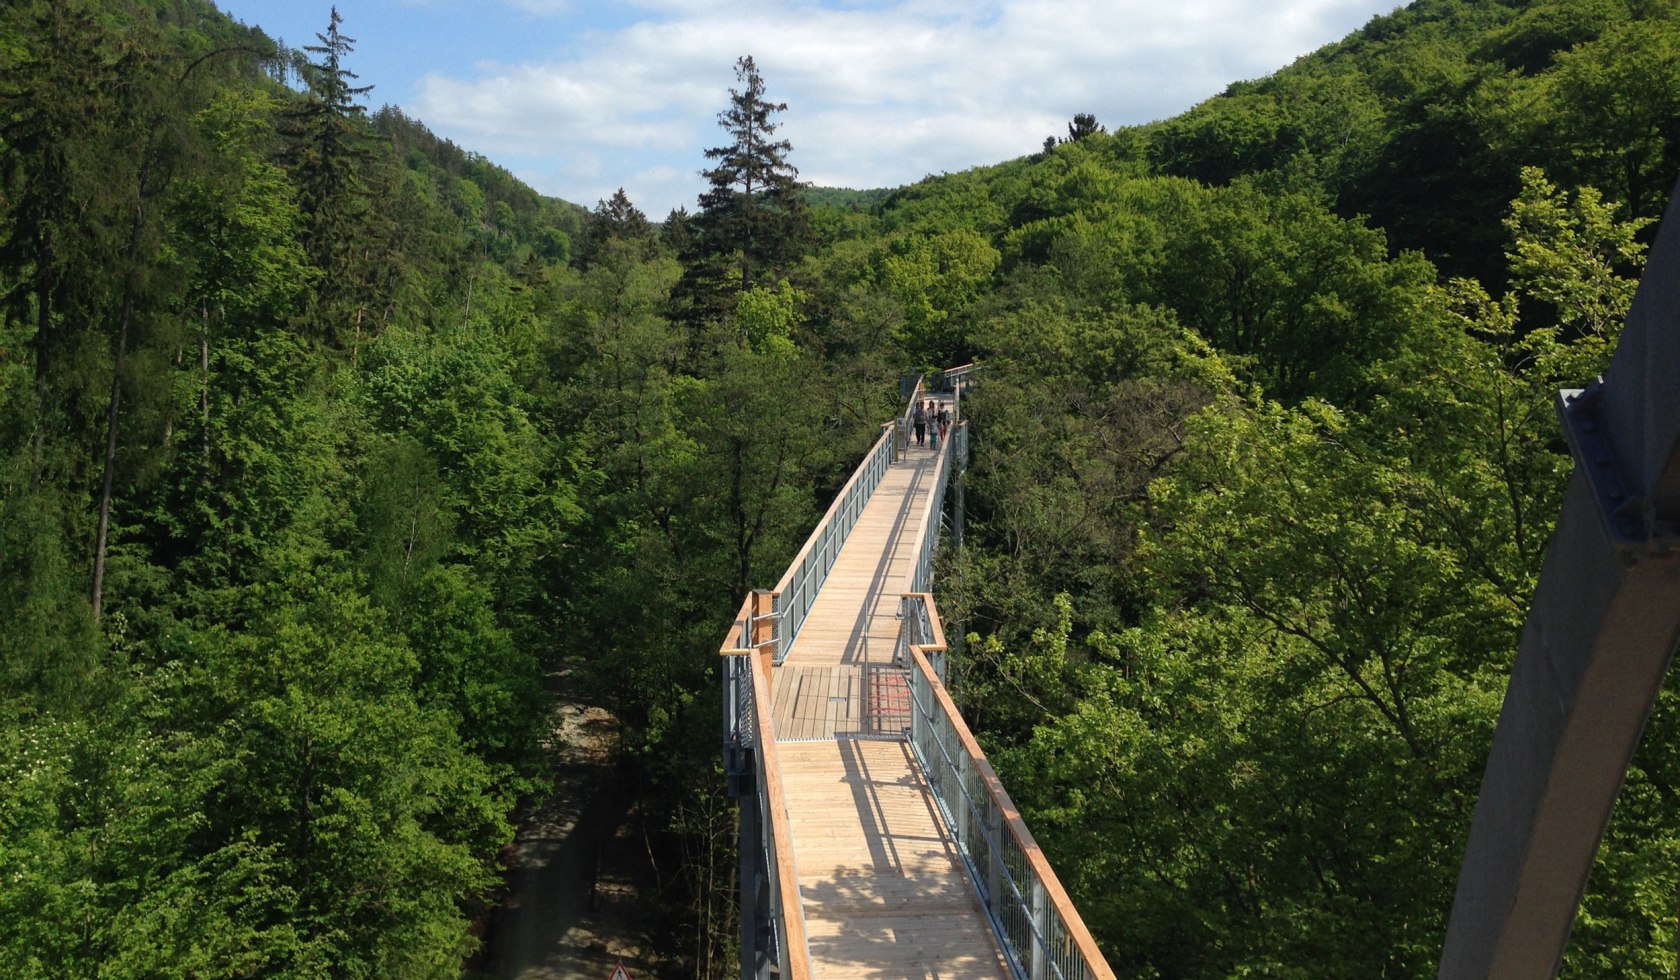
x=330 y=156
x=752 y=223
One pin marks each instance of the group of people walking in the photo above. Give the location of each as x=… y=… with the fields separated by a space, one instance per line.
x=931 y=418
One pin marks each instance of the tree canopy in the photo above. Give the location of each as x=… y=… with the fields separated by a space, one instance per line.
x=330 y=454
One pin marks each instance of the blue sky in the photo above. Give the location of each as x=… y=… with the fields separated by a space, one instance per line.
x=581 y=97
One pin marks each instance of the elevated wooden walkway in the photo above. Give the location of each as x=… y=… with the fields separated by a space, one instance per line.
x=876 y=841
x=883 y=888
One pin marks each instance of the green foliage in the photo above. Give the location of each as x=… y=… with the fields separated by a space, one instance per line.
x=765 y=318
x=291 y=745
x=396 y=445
x=1258 y=502
x=937 y=278
x=329 y=157
x=378 y=816
x=1570 y=255
x=1617 y=99
x=619 y=223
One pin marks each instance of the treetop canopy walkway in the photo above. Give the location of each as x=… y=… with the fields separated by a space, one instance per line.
x=876 y=841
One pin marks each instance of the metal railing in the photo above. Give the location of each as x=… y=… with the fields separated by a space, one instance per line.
x=1041 y=933
x=797 y=591
x=952 y=378
x=803 y=579
x=919 y=626
x=750 y=757
x=927 y=528
x=1035 y=921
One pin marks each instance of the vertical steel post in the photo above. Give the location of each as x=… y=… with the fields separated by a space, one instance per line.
x=959 y=806
x=919 y=697
x=1598 y=640
x=993 y=830
x=755 y=924
x=735 y=759
x=763 y=635
x=1041 y=928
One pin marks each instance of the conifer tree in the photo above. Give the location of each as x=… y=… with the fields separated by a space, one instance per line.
x=329 y=156
x=752 y=222
x=1084 y=124
x=58 y=136
x=616 y=220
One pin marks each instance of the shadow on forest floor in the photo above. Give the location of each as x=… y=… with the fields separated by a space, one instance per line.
x=581 y=893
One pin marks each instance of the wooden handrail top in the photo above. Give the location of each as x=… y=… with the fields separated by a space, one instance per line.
x=932 y=504
x=737 y=644
x=730 y=647
x=795 y=944
x=938 y=640
x=915 y=397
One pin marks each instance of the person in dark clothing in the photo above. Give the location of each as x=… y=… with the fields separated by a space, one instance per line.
x=918 y=418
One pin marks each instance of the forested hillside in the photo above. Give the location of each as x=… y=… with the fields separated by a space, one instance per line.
x=1265 y=468
x=329 y=453
x=322 y=442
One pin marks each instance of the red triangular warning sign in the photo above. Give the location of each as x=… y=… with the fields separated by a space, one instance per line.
x=619 y=972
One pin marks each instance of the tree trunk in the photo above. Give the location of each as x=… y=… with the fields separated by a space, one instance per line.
x=204 y=386
x=356 y=345
x=130 y=272
x=113 y=409
x=43 y=327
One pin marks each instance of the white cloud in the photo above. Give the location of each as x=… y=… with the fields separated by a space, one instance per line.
x=541 y=8
x=880 y=92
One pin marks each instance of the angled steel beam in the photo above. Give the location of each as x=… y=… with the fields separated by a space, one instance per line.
x=1598 y=640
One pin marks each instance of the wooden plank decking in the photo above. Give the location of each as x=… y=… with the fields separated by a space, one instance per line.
x=824 y=701
x=854 y=620
x=883 y=889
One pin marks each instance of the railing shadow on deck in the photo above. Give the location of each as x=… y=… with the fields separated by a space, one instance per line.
x=797 y=591
x=864 y=920
x=876 y=945
x=878 y=584
x=761 y=637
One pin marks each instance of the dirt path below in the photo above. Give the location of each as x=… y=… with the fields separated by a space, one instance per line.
x=580 y=884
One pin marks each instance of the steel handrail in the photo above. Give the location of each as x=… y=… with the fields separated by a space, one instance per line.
x=927 y=528
x=903 y=420
x=748 y=722
x=953 y=376
x=1038 y=928
x=796 y=593
x=1029 y=908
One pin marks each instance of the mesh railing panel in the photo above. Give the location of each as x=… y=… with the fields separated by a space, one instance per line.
x=1035 y=936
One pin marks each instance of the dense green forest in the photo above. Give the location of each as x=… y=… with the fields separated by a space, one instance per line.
x=330 y=453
